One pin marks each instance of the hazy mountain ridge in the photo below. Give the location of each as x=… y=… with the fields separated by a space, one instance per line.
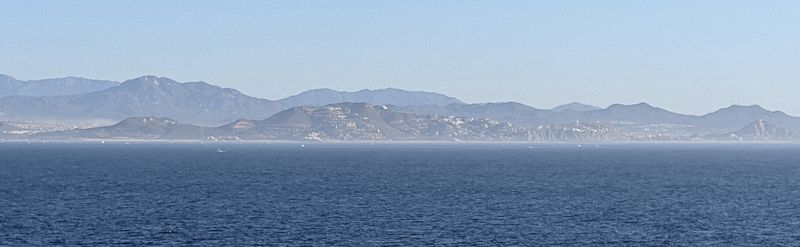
x=641 y=113
x=194 y=102
x=200 y=103
x=575 y=107
x=10 y=86
x=733 y=117
x=638 y=116
x=191 y=102
x=388 y=96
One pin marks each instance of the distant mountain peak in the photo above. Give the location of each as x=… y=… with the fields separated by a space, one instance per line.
x=67 y=78
x=387 y=96
x=575 y=107
x=148 y=77
x=748 y=107
x=762 y=130
x=743 y=109
x=733 y=117
x=510 y=106
x=321 y=90
x=191 y=102
x=148 y=81
x=641 y=105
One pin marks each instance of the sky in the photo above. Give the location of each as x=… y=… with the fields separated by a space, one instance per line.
x=686 y=56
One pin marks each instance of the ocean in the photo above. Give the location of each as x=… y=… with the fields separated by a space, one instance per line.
x=399 y=194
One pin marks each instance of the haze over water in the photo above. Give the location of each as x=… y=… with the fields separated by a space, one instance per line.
x=408 y=195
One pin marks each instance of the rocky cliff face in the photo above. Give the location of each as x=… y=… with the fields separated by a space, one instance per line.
x=762 y=131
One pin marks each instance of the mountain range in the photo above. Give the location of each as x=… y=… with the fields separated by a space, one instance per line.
x=335 y=122
x=51 y=87
x=191 y=102
x=200 y=106
x=365 y=122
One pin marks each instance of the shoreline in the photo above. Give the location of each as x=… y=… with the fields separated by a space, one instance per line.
x=399 y=142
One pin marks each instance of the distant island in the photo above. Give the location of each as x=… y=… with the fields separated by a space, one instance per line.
x=158 y=108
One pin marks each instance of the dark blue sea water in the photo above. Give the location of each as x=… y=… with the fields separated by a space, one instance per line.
x=399 y=195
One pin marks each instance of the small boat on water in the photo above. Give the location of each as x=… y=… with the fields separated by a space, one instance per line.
x=219 y=150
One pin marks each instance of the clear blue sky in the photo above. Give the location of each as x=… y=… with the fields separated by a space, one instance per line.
x=687 y=56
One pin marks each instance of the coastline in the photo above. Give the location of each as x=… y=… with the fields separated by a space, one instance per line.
x=384 y=142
